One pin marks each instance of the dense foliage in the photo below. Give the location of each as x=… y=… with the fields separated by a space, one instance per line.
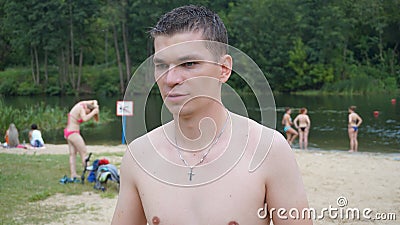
x=71 y=46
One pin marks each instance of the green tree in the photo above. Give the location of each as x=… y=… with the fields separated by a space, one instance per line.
x=298 y=44
x=265 y=30
x=298 y=62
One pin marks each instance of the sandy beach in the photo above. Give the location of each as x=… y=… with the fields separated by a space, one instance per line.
x=368 y=182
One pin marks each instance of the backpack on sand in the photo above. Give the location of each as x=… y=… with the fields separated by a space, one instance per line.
x=100 y=172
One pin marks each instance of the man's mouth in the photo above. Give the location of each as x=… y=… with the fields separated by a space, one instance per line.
x=175 y=96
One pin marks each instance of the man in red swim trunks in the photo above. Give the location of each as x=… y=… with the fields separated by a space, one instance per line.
x=191 y=63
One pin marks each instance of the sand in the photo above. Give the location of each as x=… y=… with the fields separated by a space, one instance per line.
x=363 y=180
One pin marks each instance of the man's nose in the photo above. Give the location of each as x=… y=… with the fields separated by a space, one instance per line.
x=174 y=76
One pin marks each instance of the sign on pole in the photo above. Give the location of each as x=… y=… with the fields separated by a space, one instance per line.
x=124 y=109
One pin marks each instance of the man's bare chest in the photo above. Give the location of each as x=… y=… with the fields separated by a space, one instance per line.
x=233 y=199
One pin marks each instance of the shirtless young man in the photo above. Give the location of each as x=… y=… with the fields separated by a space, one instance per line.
x=302 y=123
x=287 y=123
x=189 y=74
x=354 y=122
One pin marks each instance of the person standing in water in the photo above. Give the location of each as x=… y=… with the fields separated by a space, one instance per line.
x=354 y=122
x=302 y=123
x=291 y=133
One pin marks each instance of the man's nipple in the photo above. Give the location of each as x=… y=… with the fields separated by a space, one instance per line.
x=155 y=220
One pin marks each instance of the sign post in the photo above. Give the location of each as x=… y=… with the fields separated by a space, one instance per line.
x=124 y=109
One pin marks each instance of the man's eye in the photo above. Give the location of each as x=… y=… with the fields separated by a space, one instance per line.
x=189 y=64
x=161 y=66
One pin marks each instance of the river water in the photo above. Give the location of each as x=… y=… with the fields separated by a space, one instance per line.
x=328 y=116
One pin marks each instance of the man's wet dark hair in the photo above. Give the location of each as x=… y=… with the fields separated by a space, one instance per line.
x=192 y=18
x=34 y=126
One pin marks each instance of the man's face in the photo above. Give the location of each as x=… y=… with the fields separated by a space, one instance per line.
x=187 y=73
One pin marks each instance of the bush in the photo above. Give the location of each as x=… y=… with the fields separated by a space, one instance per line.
x=361 y=84
x=8 y=87
x=390 y=84
x=106 y=82
x=28 y=88
x=11 y=79
x=53 y=90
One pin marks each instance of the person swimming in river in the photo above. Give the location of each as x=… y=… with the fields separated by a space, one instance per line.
x=354 y=123
x=302 y=123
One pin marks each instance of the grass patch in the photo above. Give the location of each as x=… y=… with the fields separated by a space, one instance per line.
x=26 y=179
x=111 y=155
x=41 y=195
x=109 y=194
x=307 y=93
x=360 y=85
x=118 y=154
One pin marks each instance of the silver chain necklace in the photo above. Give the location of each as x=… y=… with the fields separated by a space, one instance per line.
x=190 y=173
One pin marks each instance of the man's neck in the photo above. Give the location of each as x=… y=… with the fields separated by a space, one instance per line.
x=197 y=131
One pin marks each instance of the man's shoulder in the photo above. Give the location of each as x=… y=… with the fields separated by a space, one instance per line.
x=265 y=136
x=265 y=145
x=150 y=136
x=252 y=123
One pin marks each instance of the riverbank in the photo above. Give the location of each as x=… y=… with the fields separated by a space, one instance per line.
x=366 y=180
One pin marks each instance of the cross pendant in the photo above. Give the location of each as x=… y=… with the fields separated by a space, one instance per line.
x=191 y=173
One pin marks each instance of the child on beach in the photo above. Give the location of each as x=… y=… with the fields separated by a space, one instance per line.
x=35 y=137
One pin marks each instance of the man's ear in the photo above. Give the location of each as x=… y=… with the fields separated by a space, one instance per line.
x=226 y=68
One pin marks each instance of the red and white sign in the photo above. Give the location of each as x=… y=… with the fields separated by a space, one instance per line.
x=124 y=108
